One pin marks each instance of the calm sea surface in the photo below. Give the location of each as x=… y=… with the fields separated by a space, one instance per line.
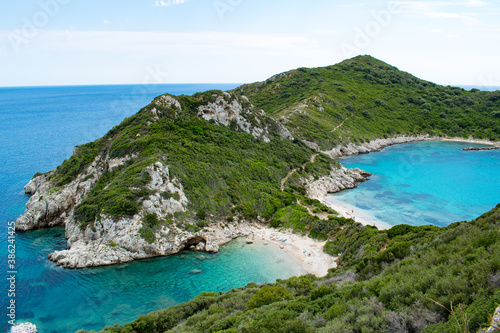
x=40 y=127
x=430 y=182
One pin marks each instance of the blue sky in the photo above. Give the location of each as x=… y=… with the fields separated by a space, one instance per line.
x=72 y=42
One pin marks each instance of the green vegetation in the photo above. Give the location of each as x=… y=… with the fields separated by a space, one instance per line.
x=223 y=172
x=373 y=100
x=406 y=279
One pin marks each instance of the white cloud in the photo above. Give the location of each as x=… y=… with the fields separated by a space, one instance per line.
x=475 y=3
x=442 y=9
x=443 y=15
x=169 y=43
x=106 y=22
x=166 y=3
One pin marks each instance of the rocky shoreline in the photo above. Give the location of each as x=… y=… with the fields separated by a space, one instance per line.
x=338 y=180
x=372 y=146
x=118 y=240
x=104 y=251
x=379 y=144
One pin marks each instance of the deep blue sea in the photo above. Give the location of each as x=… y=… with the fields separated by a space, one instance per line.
x=40 y=127
x=429 y=182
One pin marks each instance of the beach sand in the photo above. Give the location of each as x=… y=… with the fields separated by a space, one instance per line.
x=483 y=142
x=357 y=214
x=307 y=251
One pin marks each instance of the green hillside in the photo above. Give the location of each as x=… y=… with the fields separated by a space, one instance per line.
x=406 y=279
x=372 y=99
x=224 y=171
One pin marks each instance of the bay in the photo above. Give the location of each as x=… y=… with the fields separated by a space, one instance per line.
x=421 y=183
x=40 y=127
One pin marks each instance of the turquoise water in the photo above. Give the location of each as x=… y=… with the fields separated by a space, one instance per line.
x=67 y=300
x=40 y=127
x=430 y=182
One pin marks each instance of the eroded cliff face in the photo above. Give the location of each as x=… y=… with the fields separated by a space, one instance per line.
x=51 y=206
x=228 y=109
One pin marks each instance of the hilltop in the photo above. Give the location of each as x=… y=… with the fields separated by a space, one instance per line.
x=362 y=99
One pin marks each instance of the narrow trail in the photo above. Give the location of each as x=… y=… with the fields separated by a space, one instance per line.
x=284 y=180
x=342 y=123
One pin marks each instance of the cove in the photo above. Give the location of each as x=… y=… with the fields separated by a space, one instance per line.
x=41 y=125
x=61 y=300
x=422 y=183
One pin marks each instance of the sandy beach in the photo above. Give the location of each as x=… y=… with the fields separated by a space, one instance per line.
x=352 y=212
x=307 y=251
x=483 y=142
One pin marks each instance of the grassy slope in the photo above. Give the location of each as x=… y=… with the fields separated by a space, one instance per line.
x=377 y=100
x=402 y=275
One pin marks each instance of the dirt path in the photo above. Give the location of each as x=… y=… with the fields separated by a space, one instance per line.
x=342 y=123
x=284 y=180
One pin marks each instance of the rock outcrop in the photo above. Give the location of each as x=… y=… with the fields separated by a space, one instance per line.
x=116 y=242
x=52 y=206
x=228 y=110
x=495 y=323
x=339 y=179
x=24 y=328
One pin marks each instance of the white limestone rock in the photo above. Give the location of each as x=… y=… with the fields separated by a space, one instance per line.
x=338 y=180
x=228 y=109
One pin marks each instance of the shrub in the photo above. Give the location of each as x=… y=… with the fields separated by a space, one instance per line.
x=268 y=295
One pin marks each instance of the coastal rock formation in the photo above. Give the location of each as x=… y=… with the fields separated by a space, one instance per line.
x=339 y=179
x=116 y=242
x=111 y=240
x=374 y=145
x=51 y=206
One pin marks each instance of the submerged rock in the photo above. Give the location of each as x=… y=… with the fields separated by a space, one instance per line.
x=196 y=271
